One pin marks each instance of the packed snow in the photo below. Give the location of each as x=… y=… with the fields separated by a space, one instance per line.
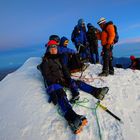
x=25 y=113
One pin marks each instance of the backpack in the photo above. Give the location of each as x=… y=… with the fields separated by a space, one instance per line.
x=116 y=39
x=74 y=63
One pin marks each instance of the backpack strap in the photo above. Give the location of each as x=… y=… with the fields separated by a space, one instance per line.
x=106 y=25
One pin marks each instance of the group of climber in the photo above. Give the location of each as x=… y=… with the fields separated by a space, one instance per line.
x=60 y=61
x=86 y=43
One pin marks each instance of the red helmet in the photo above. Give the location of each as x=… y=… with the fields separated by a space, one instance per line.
x=52 y=42
x=132 y=57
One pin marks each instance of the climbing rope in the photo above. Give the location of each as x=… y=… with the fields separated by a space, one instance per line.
x=94 y=110
x=80 y=103
x=88 y=79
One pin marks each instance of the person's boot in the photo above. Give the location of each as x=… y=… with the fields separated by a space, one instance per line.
x=111 y=72
x=100 y=93
x=103 y=74
x=97 y=62
x=78 y=123
x=74 y=99
x=75 y=121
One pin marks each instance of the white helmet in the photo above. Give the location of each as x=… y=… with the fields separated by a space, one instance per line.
x=101 y=20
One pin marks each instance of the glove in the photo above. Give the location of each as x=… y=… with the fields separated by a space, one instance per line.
x=102 y=53
x=53 y=98
x=87 y=44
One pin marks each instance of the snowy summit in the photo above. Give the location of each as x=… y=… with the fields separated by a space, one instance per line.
x=25 y=113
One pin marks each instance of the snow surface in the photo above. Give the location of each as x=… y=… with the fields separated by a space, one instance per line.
x=25 y=113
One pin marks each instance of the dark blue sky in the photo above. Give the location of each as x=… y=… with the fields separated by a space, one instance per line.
x=28 y=23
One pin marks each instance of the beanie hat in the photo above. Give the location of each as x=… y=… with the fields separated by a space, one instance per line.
x=52 y=43
x=101 y=20
x=132 y=57
x=55 y=37
x=89 y=25
x=80 y=22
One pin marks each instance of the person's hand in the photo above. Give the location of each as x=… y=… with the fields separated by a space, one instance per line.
x=87 y=44
x=107 y=46
x=78 y=44
x=53 y=97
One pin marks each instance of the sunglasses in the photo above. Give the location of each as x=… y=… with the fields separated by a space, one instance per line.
x=53 y=46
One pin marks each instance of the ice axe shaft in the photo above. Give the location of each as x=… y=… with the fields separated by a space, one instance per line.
x=109 y=112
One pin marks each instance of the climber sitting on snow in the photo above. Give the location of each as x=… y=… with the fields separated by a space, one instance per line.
x=57 y=76
x=70 y=57
x=135 y=63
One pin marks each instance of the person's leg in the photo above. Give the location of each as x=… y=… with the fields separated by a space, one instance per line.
x=106 y=60
x=96 y=51
x=84 y=54
x=111 y=69
x=98 y=93
x=75 y=121
x=58 y=96
x=97 y=57
x=88 y=55
x=92 y=56
x=105 y=70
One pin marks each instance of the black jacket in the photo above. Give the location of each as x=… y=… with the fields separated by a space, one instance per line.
x=54 y=71
x=92 y=39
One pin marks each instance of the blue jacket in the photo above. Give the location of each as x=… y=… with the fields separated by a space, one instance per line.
x=64 y=49
x=80 y=37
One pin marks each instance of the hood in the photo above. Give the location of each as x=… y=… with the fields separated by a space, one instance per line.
x=63 y=39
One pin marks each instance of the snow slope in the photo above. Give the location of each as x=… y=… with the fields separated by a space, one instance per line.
x=25 y=113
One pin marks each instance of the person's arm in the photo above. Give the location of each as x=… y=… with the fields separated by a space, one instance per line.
x=77 y=40
x=98 y=34
x=66 y=50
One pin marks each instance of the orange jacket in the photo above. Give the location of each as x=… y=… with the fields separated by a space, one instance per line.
x=108 y=35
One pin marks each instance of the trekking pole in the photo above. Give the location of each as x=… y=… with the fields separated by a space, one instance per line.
x=109 y=112
x=79 y=48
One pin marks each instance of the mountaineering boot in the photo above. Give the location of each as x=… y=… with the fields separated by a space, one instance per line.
x=78 y=123
x=100 y=93
x=103 y=74
x=111 y=72
x=97 y=62
x=74 y=99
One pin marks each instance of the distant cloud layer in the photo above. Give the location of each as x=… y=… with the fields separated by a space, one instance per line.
x=135 y=26
x=130 y=40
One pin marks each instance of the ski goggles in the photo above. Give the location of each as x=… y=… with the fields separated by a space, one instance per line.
x=53 y=46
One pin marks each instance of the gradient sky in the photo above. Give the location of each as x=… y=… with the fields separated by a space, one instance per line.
x=28 y=23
